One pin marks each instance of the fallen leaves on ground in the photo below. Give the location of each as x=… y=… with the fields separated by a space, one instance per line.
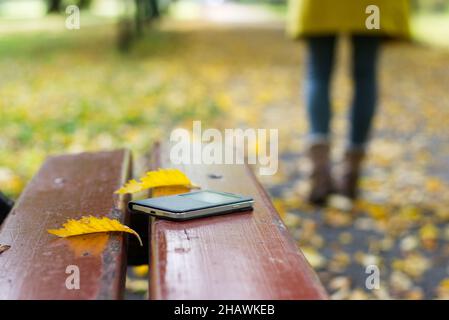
x=91 y=224
x=413 y=264
x=315 y=259
x=429 y=236
x=443 y=289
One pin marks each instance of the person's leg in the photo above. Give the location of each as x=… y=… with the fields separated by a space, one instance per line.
x=319 y=69
x=320 y=62
x=365 y=56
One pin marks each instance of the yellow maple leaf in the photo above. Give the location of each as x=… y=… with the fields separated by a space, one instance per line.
x=165 y=178
x=132 y=186
x=140 y=271
x=157 y=178
x=90 y=224
x=168 y=191
x=92 y=243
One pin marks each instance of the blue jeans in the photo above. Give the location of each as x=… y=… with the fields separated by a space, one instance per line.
x=320 y=65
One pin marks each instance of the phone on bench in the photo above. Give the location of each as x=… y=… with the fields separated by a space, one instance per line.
x=192 y=205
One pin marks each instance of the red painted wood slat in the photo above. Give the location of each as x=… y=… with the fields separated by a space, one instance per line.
x=66 y=186
x=248 y=255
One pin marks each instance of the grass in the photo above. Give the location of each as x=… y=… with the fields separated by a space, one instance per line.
x=431 y=28
x=73 y=91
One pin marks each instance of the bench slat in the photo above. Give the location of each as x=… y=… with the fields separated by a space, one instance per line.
x=66 y=186
x=235 y=256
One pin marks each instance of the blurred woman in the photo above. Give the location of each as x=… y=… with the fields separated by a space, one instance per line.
x=320 y=22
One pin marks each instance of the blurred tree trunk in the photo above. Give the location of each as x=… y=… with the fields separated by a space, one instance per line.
x=131 y=27
x=139 y=16
x=83 y=4
x=54 y=5
x=153 y=8
x=146 y=10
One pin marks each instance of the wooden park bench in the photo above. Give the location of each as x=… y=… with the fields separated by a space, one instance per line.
x=248 y=255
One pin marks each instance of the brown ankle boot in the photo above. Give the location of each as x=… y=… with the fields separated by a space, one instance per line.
x=348 y=182
x=321 y=180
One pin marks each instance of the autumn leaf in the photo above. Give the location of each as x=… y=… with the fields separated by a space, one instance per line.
x=168 y=191
x=376 y=211
x=315 y=259
x=165 y=178
x=280 y=207
x=92 y=243
x=158 y=178
x=342 y=287
x=140 y=271
x=443 y=289
x=132 y=186
x=339 y=262
x=337 y=218
x=413 y=265
x=429 y=235
x=291 y=220
x=90 y=224
x=434 y=184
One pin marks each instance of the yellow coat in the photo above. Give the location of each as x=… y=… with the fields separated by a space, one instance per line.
x=312 y=17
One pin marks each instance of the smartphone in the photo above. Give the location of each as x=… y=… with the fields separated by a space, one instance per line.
x=192 y=205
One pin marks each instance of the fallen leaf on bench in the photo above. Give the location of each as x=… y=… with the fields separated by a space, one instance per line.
x=157 y=178
x=4 y=247
x=141 y=271
x=92 y=244
x=90 y=224
x=132 y=186
x=169 y=191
